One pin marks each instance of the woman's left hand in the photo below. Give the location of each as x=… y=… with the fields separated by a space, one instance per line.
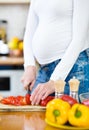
x=42 y=91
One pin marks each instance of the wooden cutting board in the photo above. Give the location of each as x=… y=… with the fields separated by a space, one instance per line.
x=11 y=108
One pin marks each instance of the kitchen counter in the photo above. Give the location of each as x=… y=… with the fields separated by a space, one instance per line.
x=27 y=120
x=24 y=121
x=11 y=60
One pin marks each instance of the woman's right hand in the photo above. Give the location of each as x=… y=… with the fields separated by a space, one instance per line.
x=29 y=76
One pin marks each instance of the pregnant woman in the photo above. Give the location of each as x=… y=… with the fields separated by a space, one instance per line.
x=56 y=37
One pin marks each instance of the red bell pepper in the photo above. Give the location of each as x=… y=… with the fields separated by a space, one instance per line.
x=69 y=99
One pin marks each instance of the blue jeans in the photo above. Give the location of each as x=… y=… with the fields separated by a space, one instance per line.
x=80 y=70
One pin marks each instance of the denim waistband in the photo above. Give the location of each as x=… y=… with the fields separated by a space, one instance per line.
x=49 y=64
x=83 y=55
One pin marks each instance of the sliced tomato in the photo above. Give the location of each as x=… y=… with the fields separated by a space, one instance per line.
x=23 y=101
x=5 y=101
x=8 y=100
x=27 y=96
x=46 y=100
x=18 y=100
x=11 y=100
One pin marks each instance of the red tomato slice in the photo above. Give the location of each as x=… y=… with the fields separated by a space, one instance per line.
x=8 y=100
x=5 y=101
x=11 y=100
x=27 y=96
x=18 y=100
x=23 y=101
x=46 y=100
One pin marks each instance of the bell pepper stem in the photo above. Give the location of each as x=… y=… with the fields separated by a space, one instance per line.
x=78 y=113
x=56 y=113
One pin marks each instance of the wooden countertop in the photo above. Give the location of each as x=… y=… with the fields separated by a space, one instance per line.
x=11 y=60
x=24 y=121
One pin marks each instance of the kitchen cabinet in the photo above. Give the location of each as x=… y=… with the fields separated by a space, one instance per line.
x=14 y=1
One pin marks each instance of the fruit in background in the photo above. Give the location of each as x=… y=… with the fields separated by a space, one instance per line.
x=13 y=43
x=16 y=53
x=16 y=47
x=20 y=45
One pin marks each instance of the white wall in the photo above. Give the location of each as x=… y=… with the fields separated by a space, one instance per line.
x=16 y=15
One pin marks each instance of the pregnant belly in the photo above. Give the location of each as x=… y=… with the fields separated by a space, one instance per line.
x=47 y=43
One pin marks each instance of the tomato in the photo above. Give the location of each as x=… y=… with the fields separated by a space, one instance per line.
x=27 y=96
x=23 y=101
x=68 y=99
x=5 y=101
x=8 y=100
x=14 y=100
x=11 y=100
x=46 y=100
x=18 y=100
x=86 y=102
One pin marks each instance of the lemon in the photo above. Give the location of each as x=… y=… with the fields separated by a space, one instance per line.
x=20 y=45
x=13 y=44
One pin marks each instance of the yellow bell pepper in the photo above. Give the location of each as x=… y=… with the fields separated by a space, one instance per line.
x=79 y=115
x=57 y=111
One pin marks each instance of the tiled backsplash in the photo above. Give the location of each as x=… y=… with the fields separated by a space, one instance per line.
x=16 y=15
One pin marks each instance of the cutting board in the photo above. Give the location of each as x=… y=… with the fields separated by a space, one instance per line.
x=11 y=108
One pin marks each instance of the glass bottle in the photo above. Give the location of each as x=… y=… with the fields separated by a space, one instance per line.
x=59 y=88
x=74 y=86
x=3 y=30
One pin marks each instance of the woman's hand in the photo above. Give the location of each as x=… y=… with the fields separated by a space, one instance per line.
x=29 y=76
x=42 y=91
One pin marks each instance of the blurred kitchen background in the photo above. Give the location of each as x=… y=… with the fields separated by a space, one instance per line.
x=13 y=17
